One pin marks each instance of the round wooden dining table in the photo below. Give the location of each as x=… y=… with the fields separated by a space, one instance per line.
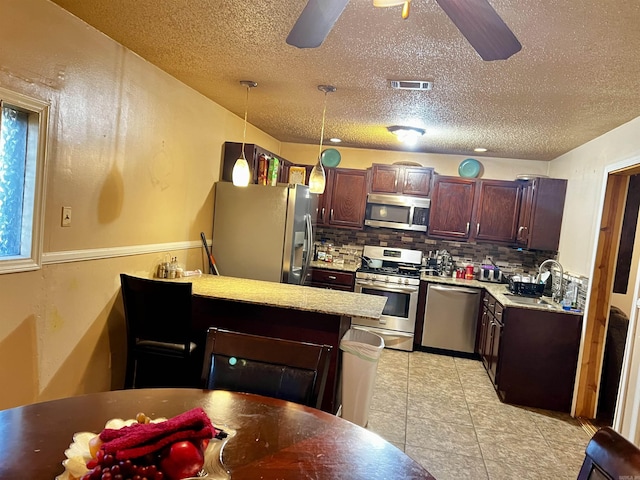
x=270 y=438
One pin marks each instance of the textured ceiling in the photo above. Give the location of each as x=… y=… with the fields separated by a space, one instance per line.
x=576 y=77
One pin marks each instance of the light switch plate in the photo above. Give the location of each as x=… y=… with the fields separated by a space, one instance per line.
x=66 y=216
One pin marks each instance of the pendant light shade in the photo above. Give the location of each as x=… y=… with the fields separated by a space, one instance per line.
x=318 y=179
x=241 y=174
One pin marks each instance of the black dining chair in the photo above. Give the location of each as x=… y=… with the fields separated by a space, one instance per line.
x=610 y=456
x=160 y=349
x=273 y=367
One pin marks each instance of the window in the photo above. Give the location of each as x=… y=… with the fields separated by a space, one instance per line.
x=23 y=127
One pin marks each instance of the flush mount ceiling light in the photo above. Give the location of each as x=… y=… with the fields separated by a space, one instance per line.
x=317 y=179
x=407 y=135
x=241 y=175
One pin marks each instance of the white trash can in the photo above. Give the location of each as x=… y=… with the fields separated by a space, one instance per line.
x=361 y=352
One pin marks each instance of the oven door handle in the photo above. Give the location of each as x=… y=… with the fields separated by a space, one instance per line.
x=387 y=287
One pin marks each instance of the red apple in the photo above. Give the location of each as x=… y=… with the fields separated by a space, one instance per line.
x=181 y=460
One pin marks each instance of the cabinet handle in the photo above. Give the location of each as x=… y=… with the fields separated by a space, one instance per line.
x=322 y=214
x=478 y=228
x=331 y=277
x=498 y=314
x=520 y=230
x=331 y=215
x=467 y=228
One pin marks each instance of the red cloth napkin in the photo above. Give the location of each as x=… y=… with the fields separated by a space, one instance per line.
x=140 y=439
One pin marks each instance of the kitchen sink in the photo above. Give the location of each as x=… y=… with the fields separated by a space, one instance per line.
x=528 y=300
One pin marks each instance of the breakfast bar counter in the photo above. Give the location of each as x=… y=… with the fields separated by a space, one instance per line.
x=282 y=295
x=291 y=312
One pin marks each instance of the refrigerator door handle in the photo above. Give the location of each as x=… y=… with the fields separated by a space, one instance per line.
x=309 y=247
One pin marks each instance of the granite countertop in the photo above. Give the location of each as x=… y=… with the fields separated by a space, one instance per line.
x=498 y=290
x=296 y=297
x=344 y=267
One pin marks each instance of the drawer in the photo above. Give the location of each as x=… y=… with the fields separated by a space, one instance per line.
x=332 y=277
x=489 y=302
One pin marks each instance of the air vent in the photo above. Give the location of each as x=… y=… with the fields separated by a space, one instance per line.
x=410 y=84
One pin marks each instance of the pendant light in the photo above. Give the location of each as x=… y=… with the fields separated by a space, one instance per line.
x=317 y=179
x=241 y=174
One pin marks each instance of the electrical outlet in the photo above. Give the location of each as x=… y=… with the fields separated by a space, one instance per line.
x=66 y=216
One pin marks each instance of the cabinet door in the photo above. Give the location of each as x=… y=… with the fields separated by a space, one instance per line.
x=348 y=198
x=496 y=333
x=384 y=178
x=524 y=219
x=417 y=181
x=496 y=218
x=451 y=207
x=484 y=333
x=546 y=213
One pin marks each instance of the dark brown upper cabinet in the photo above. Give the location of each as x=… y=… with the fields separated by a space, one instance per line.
x=474 y=210
x=401 y=179
x=496 y=211
x=541 y=211
x=252 y=152
x=343 y=202
x=451 y=210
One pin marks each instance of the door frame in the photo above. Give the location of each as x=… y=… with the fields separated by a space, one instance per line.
x=596 y=315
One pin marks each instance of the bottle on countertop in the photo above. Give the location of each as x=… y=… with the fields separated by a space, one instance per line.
x=173 y=266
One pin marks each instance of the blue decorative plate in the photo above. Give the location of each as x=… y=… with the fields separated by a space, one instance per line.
x=330 y=157
x=469 y=168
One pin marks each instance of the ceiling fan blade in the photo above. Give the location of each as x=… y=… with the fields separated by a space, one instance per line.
x=315 y=22
x=482 y=27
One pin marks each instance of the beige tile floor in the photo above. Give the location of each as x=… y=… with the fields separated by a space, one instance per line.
x=444 y=413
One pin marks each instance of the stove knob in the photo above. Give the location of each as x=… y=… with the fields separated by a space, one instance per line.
x=405 y=280
x=386 y=279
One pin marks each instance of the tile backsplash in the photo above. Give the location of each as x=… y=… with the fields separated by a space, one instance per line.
x=509 y=259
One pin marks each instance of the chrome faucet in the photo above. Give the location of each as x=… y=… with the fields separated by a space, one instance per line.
x=556 y=284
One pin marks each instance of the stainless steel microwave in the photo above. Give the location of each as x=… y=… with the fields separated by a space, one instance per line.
x=399 y=212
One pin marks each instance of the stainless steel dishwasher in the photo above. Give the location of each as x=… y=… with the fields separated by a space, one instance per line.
x=450 y=318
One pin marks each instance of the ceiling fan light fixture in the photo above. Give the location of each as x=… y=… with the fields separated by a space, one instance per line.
x=241 y=174
x=407 y=135
x=317 y=178
x=394 y=3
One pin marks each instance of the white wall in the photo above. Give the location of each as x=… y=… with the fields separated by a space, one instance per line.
x=584 y=168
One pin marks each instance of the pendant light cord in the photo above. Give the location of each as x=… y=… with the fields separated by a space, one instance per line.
x=324 y=112
x=246 y=109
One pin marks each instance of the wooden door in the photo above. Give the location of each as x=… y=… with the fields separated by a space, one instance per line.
x=496 y=218
x=417 y=181
x=348 y=198
x=451 y=207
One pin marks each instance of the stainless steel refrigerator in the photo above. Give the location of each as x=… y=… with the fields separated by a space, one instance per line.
x=263 y=232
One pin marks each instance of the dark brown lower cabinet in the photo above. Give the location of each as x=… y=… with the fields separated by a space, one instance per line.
x=530 y=355
x=331 y=279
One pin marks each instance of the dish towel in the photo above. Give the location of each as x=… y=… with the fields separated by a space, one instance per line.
x=141 y=439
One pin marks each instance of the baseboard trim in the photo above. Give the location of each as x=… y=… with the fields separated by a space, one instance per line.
x=49 y=258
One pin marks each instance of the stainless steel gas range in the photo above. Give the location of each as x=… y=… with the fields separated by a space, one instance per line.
x=393 y=273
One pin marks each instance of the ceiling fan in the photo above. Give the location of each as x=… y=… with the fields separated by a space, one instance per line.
x=476 y=19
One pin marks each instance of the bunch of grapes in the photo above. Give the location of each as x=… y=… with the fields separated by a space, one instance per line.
x=108 y=468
